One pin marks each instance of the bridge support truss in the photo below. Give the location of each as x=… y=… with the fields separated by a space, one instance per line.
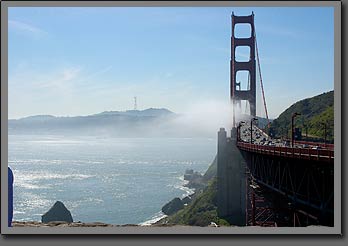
x=294 y=192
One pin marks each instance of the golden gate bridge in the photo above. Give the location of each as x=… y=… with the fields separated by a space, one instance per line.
x=264 y=181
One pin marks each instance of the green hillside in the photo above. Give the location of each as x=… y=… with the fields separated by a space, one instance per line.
x=201 y=211
x=315 y=112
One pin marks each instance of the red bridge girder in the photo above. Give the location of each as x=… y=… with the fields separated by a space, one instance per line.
x=289 y=152
x=301 y=176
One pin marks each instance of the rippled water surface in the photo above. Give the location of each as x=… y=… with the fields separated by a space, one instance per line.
x=110 y=180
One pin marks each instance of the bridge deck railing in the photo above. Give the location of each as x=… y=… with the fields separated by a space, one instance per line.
x=322 y=145
x=290 y=152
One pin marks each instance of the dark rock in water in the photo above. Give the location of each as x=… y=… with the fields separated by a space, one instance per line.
x=173 y=206
x=57 y=213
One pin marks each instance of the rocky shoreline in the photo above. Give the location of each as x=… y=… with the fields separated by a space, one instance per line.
x=200 y=208
x=195 y=182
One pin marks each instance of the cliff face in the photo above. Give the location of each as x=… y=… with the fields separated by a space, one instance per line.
x=211 y=172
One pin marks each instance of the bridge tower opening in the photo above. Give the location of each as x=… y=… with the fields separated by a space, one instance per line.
x=238 y=92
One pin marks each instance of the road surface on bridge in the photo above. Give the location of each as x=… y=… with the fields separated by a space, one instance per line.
x=261 y=138
x=263 y=143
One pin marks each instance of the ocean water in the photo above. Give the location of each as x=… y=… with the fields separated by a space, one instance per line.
x=110 y=180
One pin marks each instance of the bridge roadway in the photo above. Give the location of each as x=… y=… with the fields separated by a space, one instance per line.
x=262 y=143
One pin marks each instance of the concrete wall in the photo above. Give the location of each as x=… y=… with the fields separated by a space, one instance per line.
x=231 y=179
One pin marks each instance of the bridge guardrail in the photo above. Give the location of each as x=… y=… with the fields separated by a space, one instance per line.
x=301 y=153
x=322 y=145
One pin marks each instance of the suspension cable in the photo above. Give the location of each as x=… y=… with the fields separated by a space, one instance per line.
x=248 y=88
x=258 y=64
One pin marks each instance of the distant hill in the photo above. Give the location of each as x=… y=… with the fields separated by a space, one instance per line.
x=115 y=123
x=156 y=112
x=315 y=112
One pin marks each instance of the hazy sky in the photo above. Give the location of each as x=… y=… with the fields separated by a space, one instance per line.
x=79 y=61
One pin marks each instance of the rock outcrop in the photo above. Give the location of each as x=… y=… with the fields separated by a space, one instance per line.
x=191 y=175
x=187 y=199
x=57 y=213
x=173 y=206
x=195 y=180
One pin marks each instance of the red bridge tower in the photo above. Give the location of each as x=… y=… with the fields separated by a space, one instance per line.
x=237 y=94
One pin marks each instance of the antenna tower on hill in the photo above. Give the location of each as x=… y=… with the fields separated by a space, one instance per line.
x=135 y=103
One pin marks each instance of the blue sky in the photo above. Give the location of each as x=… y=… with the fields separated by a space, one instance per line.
x=80 y=61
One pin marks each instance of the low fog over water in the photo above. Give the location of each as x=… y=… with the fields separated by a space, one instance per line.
x=198 y=120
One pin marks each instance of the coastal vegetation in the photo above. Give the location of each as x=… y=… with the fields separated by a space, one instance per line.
x=317 y=113
x=201 y=210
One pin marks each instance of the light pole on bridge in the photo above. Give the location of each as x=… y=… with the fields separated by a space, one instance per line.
x=325 y=130
x=292 y=128
x=306 y=128
x=238 y=130
x=251 y=129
